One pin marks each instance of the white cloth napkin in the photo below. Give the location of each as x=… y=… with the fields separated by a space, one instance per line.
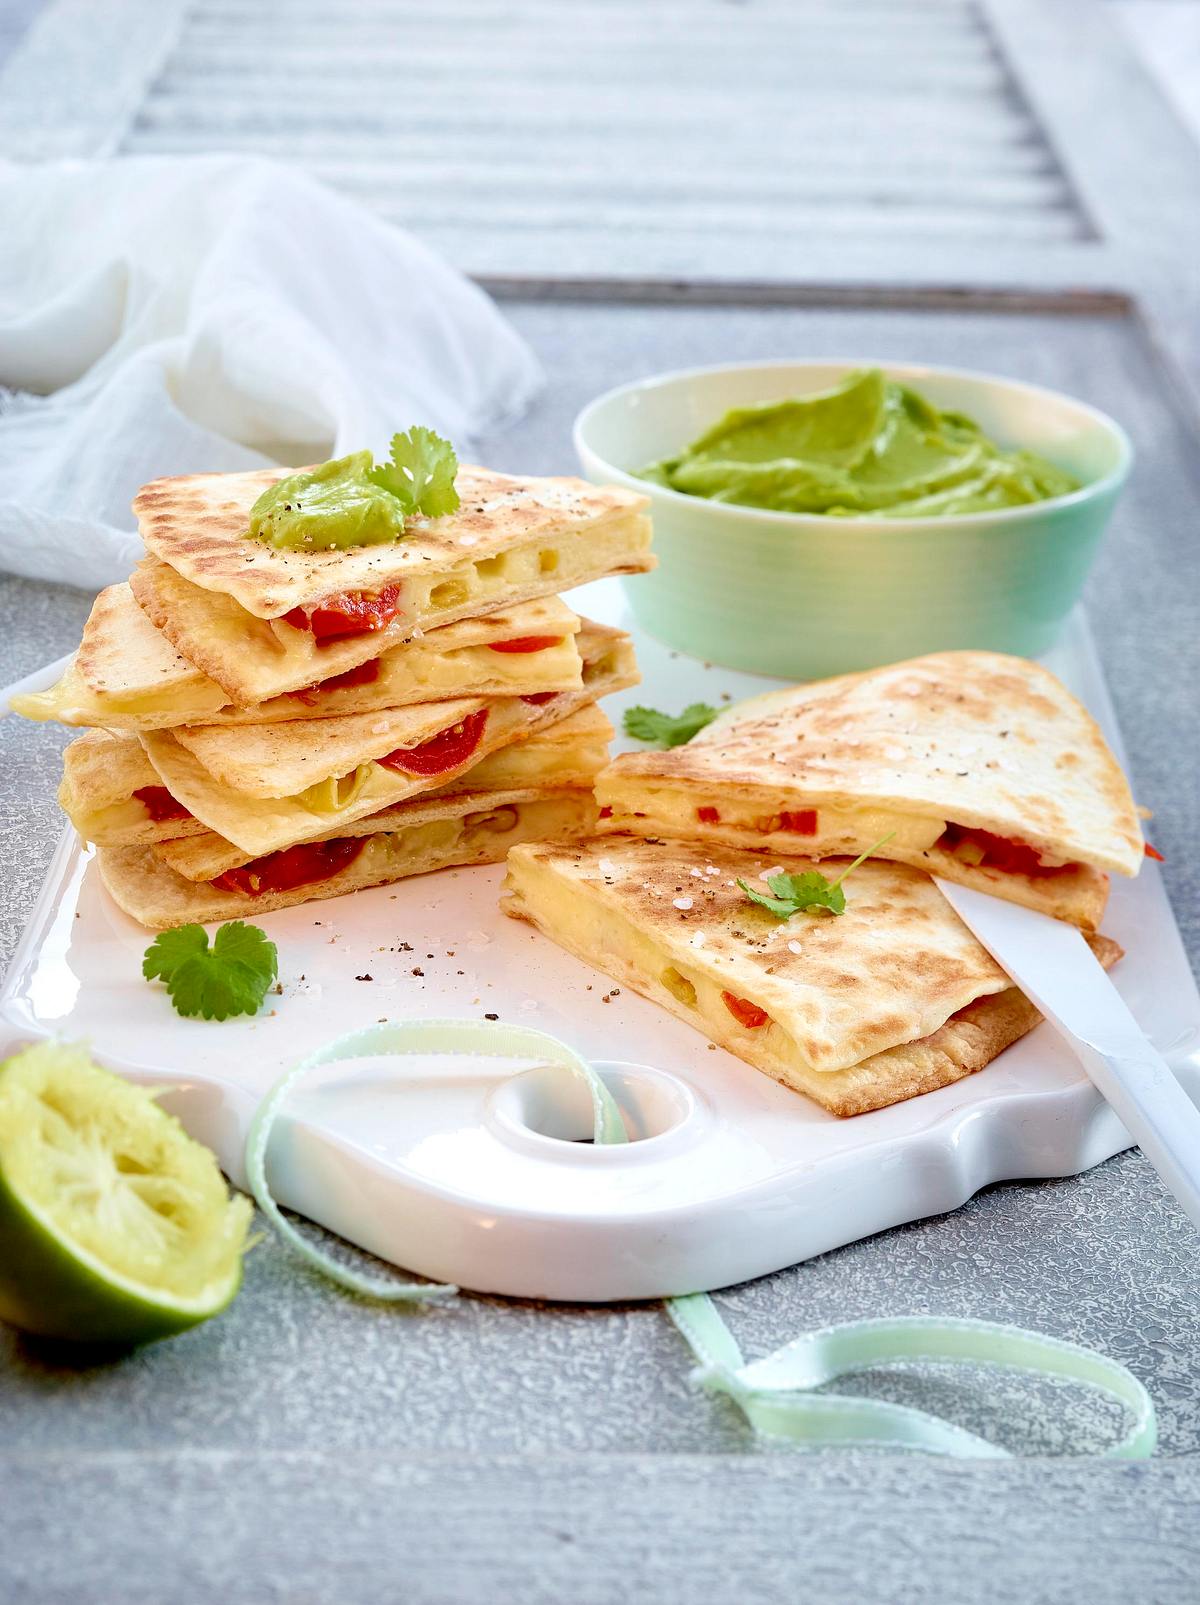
x=177 y=315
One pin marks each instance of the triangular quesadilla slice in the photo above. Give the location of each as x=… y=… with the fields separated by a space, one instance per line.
x=264 y=787
x=421 y=836
x=892 y=998
x=976 y=766
x=258 y=620
x=112 y=794
x=565 y=756
x=115 y=798
x=128 y=676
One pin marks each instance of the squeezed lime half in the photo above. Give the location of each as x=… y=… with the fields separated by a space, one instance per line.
x=115 y=1226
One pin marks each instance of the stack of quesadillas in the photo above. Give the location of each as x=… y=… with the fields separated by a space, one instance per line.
x=272 y=725
x=969 y=765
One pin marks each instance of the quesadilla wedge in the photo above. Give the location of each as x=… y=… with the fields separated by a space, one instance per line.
x=111 y=793
x=980 y=767
x=421 y=836
x=893 y=998
x=562 y=757
x=128 y=676
x=261 y=621
x=265 y=787
x=114 y=798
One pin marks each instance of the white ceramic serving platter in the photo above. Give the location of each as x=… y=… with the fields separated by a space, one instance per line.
x=466 y=1171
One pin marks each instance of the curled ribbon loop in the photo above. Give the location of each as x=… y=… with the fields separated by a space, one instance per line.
x=776 y=1393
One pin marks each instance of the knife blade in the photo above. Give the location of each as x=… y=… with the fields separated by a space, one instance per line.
x=1054 y=967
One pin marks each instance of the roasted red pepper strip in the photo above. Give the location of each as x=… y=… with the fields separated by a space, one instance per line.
x=1012 y=857
x=605 y=812
x=744 y=1012
x=447 y=750
x=347 y=613
x=160 y=805
x=525 y=643
x=707 y=816
x=1153 y=852
x=801 y=823
x=538 y=699
x=292 y=866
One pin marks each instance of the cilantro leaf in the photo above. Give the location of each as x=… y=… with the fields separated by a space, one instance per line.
x=421 y=473
x=793 y=894
x=231 y=977
x=810 y=891
x=665 y=730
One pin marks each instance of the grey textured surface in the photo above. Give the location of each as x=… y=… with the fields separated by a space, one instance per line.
x=305 y=1447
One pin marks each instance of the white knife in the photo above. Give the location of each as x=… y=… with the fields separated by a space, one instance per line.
x=1054 y=967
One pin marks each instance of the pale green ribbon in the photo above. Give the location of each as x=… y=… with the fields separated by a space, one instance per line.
x=776 y=1394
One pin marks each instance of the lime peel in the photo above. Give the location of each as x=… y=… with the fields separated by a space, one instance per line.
x=461 y=1037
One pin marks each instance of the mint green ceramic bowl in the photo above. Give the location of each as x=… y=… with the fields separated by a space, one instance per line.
x=801 y=596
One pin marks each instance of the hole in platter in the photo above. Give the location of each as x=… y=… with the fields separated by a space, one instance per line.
x=547 y=1102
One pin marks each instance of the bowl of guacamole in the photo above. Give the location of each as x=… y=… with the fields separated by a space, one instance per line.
x=818 y=517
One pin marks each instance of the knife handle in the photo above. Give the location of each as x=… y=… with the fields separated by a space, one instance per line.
x=1154 y=1109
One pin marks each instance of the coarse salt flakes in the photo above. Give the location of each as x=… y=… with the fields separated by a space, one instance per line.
x=682 y=902
x=699 y=939
x=765 y=875
x=699 y=874
x=607 y=867
x=794 y=947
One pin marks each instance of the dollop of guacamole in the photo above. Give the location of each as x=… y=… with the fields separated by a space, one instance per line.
x=870 y=447
x=332 y=505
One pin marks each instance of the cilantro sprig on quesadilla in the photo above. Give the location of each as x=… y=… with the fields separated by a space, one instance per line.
x=352 y=501
x=809 y=892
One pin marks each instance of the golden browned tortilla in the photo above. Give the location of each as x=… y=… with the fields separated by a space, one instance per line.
x=103 y=771
x=924 y=751
x=128 y=676
x=197 y=524
x=342 y=779
x=893 y=998
x=562 y=757
x=472 y=830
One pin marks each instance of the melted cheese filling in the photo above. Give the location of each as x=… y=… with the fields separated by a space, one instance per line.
x=610 y=941
x=480 y=837
x=649 y=809
x=415 y=672
x=105 y=824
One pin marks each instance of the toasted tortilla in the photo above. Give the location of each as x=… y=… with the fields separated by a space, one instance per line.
x=220 y=597
x=277 y=760
x=970 y=739
x=563 y=757
x=151 y=893
x=260 y=824
x=127 y=675
x=890 y=999
x=101 y=773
